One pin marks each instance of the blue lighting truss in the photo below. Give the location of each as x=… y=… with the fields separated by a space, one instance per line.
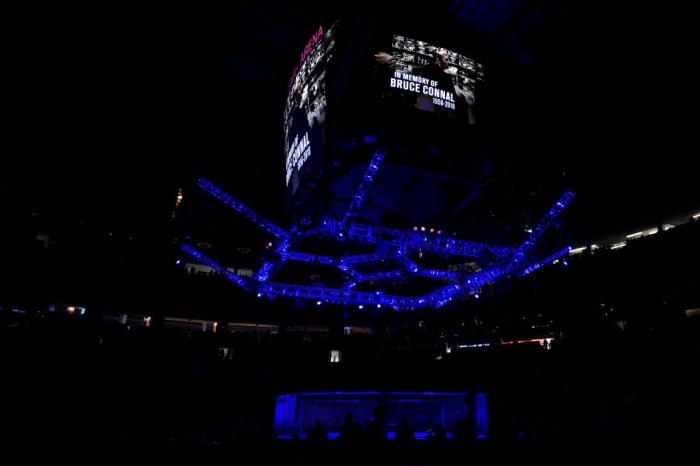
x=437 y=243
x=362 y=190
x=547 y=221
x=263 y=273
x=243 y=282
x=238 y=206
x=392 y=246
x=547 y=260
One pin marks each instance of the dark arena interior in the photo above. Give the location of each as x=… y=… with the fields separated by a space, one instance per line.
x=301 y=232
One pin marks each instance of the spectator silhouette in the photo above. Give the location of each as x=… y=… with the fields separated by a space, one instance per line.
x=372 y=436
x=350 y=430
x=379 y=413
x=405 y=436
x=319 y=436
x=439 y=437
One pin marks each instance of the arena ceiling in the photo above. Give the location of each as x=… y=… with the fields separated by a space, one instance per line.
x=111 y=106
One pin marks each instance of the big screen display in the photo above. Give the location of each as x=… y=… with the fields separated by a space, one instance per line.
x=428 y=77
x=305 y=110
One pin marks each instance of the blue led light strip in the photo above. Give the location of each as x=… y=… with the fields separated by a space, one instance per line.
x=384 y=275
x=545 y=261
x=414 y=269
x=375 y=393
x=240 y=281
x=263 y=273
x=547 y=221
x=362 y=190
x=435 y=273
x=311 y=258
x=400 y=238
x=468 y=285
x=339 y=296
x=341 y=260
x=475 y=281
x=246 y=211
x=362 y=258
x=411 y=266
x=351 y=272
x=451 y=245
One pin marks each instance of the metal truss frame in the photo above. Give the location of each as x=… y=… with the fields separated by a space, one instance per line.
x=391 y=245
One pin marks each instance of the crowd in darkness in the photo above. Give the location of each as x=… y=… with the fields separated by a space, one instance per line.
x=78 y=384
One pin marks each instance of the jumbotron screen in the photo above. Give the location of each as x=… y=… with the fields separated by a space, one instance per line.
x=427 y=77
x=305 y=110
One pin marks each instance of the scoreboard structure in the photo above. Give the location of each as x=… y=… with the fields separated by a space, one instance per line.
x=382 y=146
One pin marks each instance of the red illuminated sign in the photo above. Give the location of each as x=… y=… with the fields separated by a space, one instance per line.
x=305 y=53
